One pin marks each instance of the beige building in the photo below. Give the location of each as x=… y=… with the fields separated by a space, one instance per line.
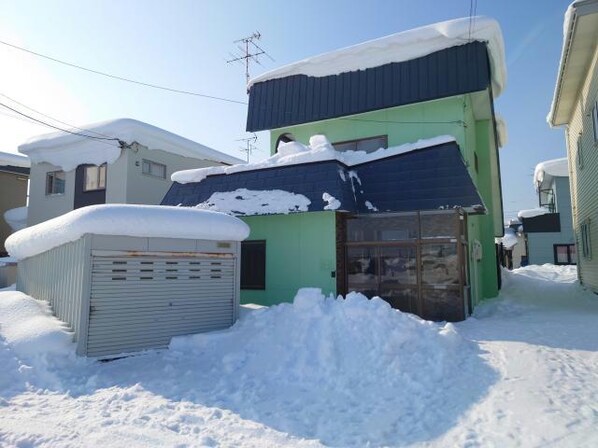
x=119 y=161
x=575 y=106
x=14 y=173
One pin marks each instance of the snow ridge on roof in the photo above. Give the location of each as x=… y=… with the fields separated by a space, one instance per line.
x=129 y=220
x=320 y=149
x=11 y=159
x=68 y=150
x=546 y=171
x=404 y=46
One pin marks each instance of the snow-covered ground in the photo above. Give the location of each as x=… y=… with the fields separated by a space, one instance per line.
x=522 y=372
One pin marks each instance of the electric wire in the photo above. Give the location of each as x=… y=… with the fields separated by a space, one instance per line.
x=121 y=78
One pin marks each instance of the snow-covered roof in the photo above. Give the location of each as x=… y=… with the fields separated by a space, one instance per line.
x=546 y=171
x=405 y=46
x=70 y=150
x=532 y=212
x=11 y=159
x=319 y=149
x=129 y=220
x=580 y=37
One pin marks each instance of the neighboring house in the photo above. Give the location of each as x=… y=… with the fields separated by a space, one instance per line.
x=513 y=254
x=414 y=223
x=575 y=106
x=548 y=229
x=118 y=161
x=14 y=173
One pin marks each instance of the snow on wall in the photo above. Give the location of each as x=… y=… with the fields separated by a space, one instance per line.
x=68 y=150
x=7 y=158
x=545 y=171
x=129 y=220
x=405 y=46
x=16 y=218
x=319 y=149
x=261 y=202
x=331 y=202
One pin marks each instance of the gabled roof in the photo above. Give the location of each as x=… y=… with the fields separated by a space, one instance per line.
x=68 y=150
x=580 y=37
x=427 y=178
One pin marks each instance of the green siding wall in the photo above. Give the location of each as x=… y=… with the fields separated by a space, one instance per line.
x=404 y=124
x=300 y=252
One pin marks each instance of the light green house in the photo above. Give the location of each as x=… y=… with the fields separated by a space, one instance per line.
x=575 y=106
x=414 y=225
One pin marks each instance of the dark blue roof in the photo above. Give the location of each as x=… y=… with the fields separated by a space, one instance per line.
x=300 y=99
x=424 y=179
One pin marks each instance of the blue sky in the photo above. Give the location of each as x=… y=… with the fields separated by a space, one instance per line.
x=185 y=44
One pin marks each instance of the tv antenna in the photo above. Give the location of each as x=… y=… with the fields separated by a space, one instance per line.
x=248 y=51
x=249 y=145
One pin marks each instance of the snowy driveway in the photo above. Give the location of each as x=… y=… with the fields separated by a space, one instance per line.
x=524 y=372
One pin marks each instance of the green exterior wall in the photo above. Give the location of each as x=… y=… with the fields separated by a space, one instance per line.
x=404 y=124
x=300 y=252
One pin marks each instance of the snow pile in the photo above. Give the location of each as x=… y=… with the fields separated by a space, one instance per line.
x=128 y=220
x=16 y=218
x=331 y=202
x=345 y=371
x=319 y=149
x=509 y=240
x=68 y=151
x=405 y=46
x=243 y=202
x=8 y=158
x=545 y=171
x=532 y=212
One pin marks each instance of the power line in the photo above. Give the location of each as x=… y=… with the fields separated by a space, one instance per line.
x=101 y=139
x=120 y=78
x=52 y=118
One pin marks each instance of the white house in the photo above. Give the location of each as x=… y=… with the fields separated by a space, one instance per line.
x=117 y=161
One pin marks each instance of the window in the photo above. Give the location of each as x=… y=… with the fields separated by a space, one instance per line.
x=565 y=254
x=154 y=169
x=95 y=178
x=586 y=244
x=579 y=153
x=55 y=182
x=253 y=264
x=369 y=144
x=595 y=120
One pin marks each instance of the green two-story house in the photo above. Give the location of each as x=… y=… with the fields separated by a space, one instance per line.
x=401 y=186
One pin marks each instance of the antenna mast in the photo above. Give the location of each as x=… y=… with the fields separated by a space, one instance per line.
x=249 y=145
x=249 y=51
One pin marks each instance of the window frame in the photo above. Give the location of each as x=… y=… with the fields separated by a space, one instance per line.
x=579 y=153
x=99 y=169
x=585 y=240
x=151 y=164
x=569 y=254
x=357 y=140
x=258 y=284
x=594 y=114
x=51 y=184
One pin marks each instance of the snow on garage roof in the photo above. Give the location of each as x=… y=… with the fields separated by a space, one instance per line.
x=405 y=46
x=70 y=150
x=10 y=159
x=128 y=220
x=545 y=171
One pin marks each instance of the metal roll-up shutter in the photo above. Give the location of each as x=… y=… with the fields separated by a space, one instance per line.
x=140 y=302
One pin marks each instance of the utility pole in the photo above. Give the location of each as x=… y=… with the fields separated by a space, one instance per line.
x=249 y=145
x=249 y=51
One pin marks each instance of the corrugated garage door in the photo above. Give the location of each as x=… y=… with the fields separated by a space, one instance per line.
x=140 y=302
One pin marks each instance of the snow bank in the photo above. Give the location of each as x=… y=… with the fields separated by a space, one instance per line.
x=251 y=202
x=319 y=149
x=532 y=212
x=345 y=371
x=545 y=171
x=16 y=218
x=405 y=46
x=67 y=151
x=129 y=220
x=8 y=158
